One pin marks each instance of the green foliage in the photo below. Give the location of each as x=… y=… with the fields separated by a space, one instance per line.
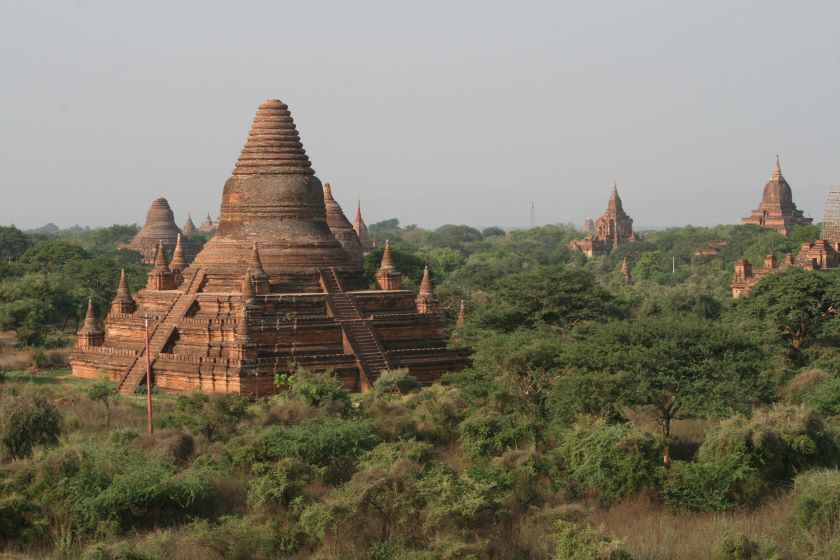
x=487 y=432
x=398 y=381
x=794 y=303
x=777 y=443
x=27 y=421
x=649 y=265
x=678 y=365
x=214 y=416
x=103 y=391
x=573 y=542
x=333 y=444
x=712 y=486
x=736 y=546
x=13 y=243
x=816 y=515
x=561 y=297
x=319 y=389
x=609 y=460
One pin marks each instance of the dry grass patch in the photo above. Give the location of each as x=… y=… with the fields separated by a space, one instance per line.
x=652 y=532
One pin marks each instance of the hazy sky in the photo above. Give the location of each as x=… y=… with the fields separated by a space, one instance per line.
x=433 y=112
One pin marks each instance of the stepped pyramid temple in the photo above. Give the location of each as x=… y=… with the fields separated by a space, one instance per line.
x=159 y=228
x=361 y=230
x=777 y=210
x=610 y=230
x=273 y=287
x=822 y=254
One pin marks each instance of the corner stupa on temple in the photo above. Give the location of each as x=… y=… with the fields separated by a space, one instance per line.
x=340 y=226
x=272 y=289
x=777 y=209
x=159 y=227
x=362 y=231
x=612 y=229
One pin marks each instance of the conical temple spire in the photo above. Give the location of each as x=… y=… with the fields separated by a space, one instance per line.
x=247 y=287
x=625 y=270
x=255 y=261
x=615 y=201
x=777 y=168
x=426 y=283
x=387 y=262
x=123 y=302
x=179 y=261
x=462 y=315
x=273 y=146
x=90 y=327
x=161 y=262
x=358 y=212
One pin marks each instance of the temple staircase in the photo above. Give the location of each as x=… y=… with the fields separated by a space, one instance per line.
x=370 y=357
x=161 y=333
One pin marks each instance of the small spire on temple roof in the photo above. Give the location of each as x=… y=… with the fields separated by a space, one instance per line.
x=462 y=316
x=387 y=262
x=90 y=325
x=179 y=261
x=255 y=261
x=426 y=283
x=247 y=286
x=161 y=262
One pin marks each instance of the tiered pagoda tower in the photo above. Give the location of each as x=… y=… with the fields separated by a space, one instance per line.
x=612 y=229
x=159 y=228
x=340 y=226
x=776 y=209
x=272 y=289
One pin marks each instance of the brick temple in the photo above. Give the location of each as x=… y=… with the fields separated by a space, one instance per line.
x=612 y=229
x=776 y=209
x=822 y=254
x=160 y=227
x=274 y=287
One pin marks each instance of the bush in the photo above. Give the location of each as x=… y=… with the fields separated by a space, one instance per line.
x=489 y=433
x=320 y=389
x=398 y=381
x=740 y=547
x=27 y=421
x=778 y=443
x=216 y=417
x=610 y=460
x=584 y=543
x=332 y=444
x=817 y=505
x=714 y=486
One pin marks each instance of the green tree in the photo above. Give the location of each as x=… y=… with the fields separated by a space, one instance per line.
x=103 y=391
x=27 y=421
x=13 y=243
x=794 y=303
x=214 y=416
x=674 y=365
x=554 y=296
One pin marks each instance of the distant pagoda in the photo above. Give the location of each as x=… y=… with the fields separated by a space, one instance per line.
x=776 y=209
x=159 y=227
x=822 y=254
x=273 y=288
x=189 y=227
x=362 y=230
x=612 y=229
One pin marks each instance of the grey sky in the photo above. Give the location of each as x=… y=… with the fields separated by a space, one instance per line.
x=433 y=112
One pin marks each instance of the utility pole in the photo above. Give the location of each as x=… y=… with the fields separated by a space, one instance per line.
x=148 y=374
x=673 y=265
x=532 y=216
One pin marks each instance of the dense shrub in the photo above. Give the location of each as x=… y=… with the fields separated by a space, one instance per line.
x=817 y=505
x=487 y=432
x=573 y=542
x=740 y=547
x=398 y=381
x=609 y=460
x=319 y=389
x=712 y=486
x=333 y=444
x=27 y=421
x=778 y=443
